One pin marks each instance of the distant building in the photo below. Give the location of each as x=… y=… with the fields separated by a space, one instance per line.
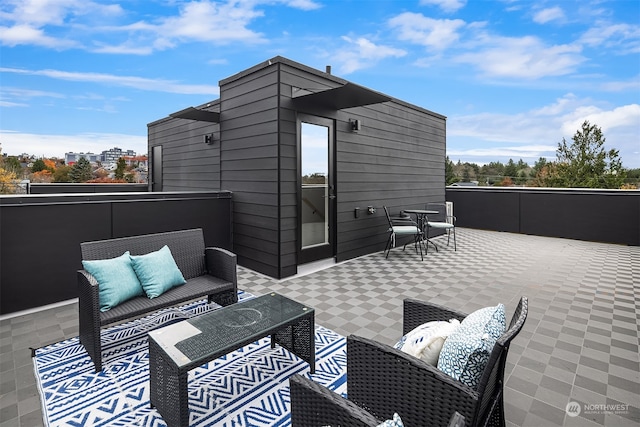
x=107 y=157
x=142 y=162
x=112 y=155
x=71 y=158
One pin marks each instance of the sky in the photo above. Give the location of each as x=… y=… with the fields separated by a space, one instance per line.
x=512 y=77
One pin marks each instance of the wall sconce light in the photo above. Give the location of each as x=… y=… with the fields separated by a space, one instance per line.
x=356 y=125
x=208 y=139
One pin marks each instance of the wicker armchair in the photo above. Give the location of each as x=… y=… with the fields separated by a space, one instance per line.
x=386 y=380
x=313 y=405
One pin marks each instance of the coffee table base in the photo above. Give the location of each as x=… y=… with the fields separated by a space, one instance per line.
x=168 y=384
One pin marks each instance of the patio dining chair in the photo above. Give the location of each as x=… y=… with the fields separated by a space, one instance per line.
x=440 y=221
x=402 y=226
x=385 y=380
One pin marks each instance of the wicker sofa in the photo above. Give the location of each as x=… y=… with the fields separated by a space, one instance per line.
x=209 y=272
x=383 y=380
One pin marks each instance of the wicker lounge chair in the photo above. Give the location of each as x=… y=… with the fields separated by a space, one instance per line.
x=313 y=405
x=385 y=380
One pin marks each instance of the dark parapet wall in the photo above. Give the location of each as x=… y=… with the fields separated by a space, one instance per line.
x=40 y=236
x=609 y=216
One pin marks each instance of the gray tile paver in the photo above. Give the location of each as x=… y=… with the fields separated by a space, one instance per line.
x=580 y=342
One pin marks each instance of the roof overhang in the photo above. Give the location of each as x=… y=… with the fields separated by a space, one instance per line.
x=195 y=114
x=347 y=96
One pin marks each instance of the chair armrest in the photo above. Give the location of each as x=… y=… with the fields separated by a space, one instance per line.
x=222 y=263
x=89 y=321
x=416 y=312
x=385 y=380
x=313 y=405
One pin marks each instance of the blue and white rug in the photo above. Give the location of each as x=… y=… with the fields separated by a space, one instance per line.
x=248 y=387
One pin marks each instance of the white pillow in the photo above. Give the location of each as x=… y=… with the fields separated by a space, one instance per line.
x=426 y=341
x=394 y=422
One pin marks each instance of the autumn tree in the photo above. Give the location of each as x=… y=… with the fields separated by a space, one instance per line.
x=81 y=171
x=7 y=178
x=585 y=162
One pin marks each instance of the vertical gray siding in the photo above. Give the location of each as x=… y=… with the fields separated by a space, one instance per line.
x=188 y=163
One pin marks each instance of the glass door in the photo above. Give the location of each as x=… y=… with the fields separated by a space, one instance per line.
x=317 y=197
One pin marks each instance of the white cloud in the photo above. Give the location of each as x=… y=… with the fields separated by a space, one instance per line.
x=547 y=15
x=157 y=85
x=536 y=133
x=303 y=4
x=218 y=23
x=446 y=5
x=23 y=34
x=29 y=17
x=623 y=38
x=437 y=34
x=16 y=143
x=626 y=116
x=362 y=53
x=525 y=57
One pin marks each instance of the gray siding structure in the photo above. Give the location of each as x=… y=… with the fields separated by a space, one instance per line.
x=395 y=159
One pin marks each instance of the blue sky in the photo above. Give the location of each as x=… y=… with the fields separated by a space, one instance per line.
x=513 y=77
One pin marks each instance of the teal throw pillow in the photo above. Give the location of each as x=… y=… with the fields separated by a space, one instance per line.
x=117 y=282
x=157 y=272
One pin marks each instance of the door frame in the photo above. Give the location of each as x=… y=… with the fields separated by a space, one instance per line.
x=329 y=250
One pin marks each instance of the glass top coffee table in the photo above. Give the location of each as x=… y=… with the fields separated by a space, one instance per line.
x=176 y=349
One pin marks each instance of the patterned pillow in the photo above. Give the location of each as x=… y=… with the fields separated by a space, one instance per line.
x=394 y=422
x=465 y=353
x=425 y=341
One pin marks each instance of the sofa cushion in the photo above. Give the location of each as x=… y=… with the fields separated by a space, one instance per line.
x=157 y=271
x=466 y=351
x=426 y=341
x=117 y=282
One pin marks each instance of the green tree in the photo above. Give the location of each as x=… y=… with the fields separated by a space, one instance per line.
x=511 y=169
x=38 y=166
x=81 y=171
x=61 y=174
x=585 y=162
x=449 y=175
x=12 y=164
x=120 y=168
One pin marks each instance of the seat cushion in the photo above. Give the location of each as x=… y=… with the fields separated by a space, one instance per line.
x=425 y=342
x=157 y=272
x=466 y=351
x=405 y=229
x=117 y=281
x=440 y=225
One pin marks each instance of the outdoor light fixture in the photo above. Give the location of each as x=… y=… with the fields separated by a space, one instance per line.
x=208 y=139
x=356 y=125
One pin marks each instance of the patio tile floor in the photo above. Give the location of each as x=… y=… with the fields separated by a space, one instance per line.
x=580 y=342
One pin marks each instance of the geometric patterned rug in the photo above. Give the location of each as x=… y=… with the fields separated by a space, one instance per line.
x=248 y=387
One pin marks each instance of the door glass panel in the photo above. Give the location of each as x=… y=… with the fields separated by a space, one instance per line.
x=315 y=186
